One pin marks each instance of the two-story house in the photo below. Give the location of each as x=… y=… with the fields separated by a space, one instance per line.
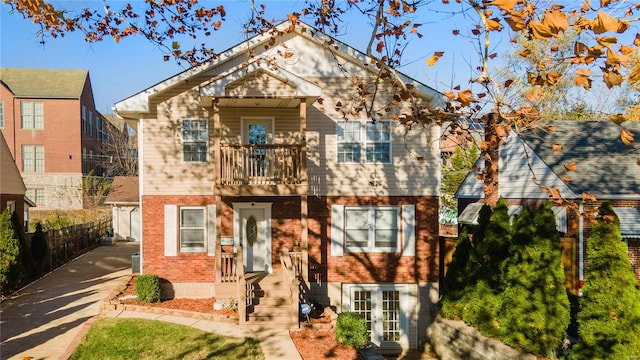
x=53 y=131
x=12 y=189
x=252 y=178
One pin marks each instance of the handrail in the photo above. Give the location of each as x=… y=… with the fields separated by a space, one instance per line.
x=258 y=164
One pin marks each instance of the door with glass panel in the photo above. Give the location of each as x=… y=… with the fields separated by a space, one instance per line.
x=382 y=308
x=257 y=132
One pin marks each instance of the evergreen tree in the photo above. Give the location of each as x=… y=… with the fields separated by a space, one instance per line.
x=493 y=248
x=535 y=305
x=11 y=268
x=609 y=316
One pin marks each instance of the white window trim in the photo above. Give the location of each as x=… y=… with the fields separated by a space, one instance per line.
x=376 y=289
x=33 y=160
x=266 y=206
x=205 y=231
x=371 y=248
x=364 y=141
x=33 y=124
x=183 y=142
x=338 y=142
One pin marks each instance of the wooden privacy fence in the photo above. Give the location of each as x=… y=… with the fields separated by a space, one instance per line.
x=69 y=242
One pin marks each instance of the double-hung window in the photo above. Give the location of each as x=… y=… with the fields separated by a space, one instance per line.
x=193 y=229
x=36 y=194
x=349 y=143
x=33 y=158
x=195 y=140
x=378 y=142
x=375 y=140
x=372 y=228
x=32 y=115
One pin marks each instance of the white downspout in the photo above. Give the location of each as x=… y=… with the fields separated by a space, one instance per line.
x=140 y=134
x=581 y=244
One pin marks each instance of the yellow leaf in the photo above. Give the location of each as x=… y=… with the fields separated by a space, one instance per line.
x=636 y=41
x=494 y=24
x=516 y=22
x=626 y=50
x=554 y=193
x=638 y=161
x=556 y=147
x=434 y=58
x=612 y=78
x=505 y=4
x=524 y=52
x=501 y=131
x=465 y=97
x=556 y=21
x=534 y=94
x=566 y=179
x=606 y=40
x=540 y=31
x=626 y=136
x=450 y=95
x=570 y=166
x=553 y=78
x=604 y=23
x=579 y=48
x=588 y=197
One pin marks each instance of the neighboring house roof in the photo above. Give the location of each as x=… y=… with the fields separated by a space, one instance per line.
x=139 y=103
x=604 y=166
x=629 y=221
x=44 y=83
x=11 y=181
x=124 y=190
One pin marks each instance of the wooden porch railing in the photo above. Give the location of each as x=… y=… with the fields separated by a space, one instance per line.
x=228 y=268
x=264 y=164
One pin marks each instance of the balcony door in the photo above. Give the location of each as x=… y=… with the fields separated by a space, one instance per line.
x=258 y=132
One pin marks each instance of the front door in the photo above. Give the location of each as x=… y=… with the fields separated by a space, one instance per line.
x=254 y=232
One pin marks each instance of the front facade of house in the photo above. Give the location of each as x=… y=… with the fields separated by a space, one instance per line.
x=12 y=189
x=53 y=131
x=249 y=171
x=531 y=170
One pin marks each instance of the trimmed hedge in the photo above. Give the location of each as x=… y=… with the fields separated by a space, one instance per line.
x=148 y=288
x=351 y=330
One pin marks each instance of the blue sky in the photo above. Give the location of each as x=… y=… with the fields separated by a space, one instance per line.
x=118 y=70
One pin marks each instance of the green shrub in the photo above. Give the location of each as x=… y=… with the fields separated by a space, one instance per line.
x=351 y=330
x=148 y=288
x=11 y=267
x=609 y=315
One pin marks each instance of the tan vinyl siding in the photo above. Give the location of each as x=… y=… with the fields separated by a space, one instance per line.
x=258 y=85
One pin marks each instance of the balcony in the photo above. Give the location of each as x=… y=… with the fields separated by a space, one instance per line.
x=276 y=169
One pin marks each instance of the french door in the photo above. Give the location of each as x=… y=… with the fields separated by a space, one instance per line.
x=383 y=307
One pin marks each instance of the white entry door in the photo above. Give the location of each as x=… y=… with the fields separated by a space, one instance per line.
x=254 y=230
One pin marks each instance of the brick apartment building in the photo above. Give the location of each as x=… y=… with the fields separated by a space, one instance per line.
x=54 y=133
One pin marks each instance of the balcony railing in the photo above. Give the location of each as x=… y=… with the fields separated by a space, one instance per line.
x=266 y=164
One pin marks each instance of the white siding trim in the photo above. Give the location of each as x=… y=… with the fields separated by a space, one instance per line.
x=408 y=230
x=170 y=233
x=211 y=230
x=337 y=230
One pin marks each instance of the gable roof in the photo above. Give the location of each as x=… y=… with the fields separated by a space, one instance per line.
x=124 y=190
x=605 y=167
x=139 y=103
x=44 y=83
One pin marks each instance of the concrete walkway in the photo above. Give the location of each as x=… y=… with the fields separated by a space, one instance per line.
x=42 y=319
x=47 y=319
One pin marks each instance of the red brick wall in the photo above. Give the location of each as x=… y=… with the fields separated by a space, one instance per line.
x=634 y=256
x=373 y=267
x=185 y=267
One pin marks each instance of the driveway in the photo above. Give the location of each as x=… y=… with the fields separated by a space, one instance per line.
x=42 y=319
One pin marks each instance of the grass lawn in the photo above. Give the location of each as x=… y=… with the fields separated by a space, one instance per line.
x=139 y=339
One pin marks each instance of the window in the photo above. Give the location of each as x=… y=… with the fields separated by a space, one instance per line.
x=371 y=228
x=32 y=115
x=376 y=140
x=90 y=123
x=349 y=148
x=84 y=119
x=32 y=158
x=1 y=114
x=192 y=229
x=37 y=195
x=195 y=140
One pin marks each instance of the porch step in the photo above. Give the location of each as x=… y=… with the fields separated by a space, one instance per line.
x=272 y=305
